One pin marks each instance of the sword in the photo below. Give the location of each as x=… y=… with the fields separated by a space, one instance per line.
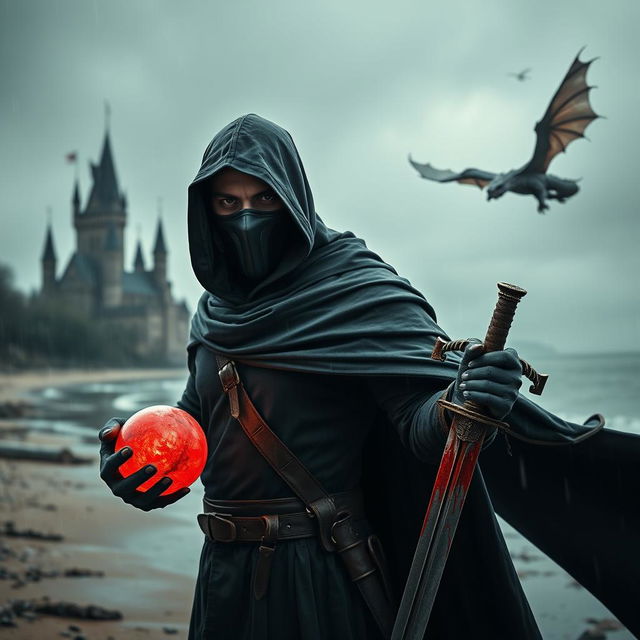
x=461 y=451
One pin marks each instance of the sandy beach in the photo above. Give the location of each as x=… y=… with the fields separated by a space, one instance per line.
x=109 y=555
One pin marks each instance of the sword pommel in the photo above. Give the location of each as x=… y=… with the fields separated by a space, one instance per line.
x=508 y=297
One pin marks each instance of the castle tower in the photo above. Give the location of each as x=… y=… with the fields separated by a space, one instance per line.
x=160 y=257
x=48 y=261
x=112 y=269
x=160 y=277
x=106 y=208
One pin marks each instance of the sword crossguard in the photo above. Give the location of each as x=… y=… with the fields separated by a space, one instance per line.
x=538 y=380
x=475 y=416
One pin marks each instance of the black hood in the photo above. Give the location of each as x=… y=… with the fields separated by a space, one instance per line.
x=266 y=151
x=332 y=306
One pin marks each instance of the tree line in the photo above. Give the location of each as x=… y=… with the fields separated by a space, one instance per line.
x=36 y=332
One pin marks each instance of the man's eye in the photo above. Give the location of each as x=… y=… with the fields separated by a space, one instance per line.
x=227 y=202
x=269 y=197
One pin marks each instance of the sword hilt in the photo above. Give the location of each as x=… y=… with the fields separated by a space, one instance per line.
x=508 y=298
x=538 y=380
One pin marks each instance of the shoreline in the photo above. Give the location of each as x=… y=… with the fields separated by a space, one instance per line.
x=120 y=549
x=14 y=387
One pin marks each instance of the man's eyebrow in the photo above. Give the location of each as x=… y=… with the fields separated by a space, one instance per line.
x=221 y=194
x=224 y=195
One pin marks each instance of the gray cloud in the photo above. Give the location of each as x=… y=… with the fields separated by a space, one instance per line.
x=359 y=85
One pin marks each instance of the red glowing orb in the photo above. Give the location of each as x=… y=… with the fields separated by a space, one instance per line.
x=168 y=438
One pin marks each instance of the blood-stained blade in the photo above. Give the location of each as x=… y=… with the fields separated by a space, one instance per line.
x=458 y=463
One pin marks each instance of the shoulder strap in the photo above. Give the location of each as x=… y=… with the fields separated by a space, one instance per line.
x=276 y=453
x=335 y=531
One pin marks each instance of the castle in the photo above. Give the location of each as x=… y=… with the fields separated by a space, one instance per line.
x=95 y=282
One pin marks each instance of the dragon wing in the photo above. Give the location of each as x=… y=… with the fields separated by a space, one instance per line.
x=468 y=176
x=568 y=115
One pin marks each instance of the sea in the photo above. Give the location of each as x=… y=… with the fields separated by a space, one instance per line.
x=578 y=386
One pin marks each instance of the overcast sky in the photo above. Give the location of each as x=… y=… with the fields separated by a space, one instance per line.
x=359 y=84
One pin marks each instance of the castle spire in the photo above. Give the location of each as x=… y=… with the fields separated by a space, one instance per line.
x=49 y=252
x=48 y=262
x=160 y=258
x=105 y=194
x=138 y=263
x=75 y=200
x=159 y=248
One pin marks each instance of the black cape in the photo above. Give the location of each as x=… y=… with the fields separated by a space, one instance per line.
x=333 y=306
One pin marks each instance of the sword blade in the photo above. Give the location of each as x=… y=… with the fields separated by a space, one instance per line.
x=440 y=523
x=426 y=536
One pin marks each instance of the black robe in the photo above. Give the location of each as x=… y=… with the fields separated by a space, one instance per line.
x=332 y=307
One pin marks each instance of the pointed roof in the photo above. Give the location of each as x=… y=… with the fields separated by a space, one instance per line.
x=138 y=263
x=49 y=253
x=159 y=246
x=105 y=195
x=80 y=268
x=140 y=284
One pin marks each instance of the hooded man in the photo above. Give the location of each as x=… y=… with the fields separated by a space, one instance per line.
x=310 y=335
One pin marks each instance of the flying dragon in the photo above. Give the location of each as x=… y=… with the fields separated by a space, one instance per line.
x=568 y=115
x=521 y=75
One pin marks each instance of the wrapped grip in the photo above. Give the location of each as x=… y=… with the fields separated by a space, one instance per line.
x=508 y=297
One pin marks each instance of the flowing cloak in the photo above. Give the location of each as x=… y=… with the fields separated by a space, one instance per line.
x=332 y=306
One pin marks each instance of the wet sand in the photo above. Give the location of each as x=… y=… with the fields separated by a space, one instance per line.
x=149 y=560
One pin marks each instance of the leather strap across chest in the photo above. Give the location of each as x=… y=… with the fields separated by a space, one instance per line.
x=337 y=532
x=276 y=452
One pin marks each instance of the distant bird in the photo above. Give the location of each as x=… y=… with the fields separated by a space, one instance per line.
x=568 y=115
x=522 y=75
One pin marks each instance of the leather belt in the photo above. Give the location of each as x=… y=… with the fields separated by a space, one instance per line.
x=223 y=527
x=280 y=518
x=351 y=501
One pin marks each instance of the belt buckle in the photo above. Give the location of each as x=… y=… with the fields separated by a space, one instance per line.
x=228 y=532
x=229 y=376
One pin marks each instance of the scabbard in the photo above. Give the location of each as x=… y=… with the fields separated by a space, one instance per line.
x=364 y=560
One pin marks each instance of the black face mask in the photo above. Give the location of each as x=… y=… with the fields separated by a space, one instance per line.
x=256 y=238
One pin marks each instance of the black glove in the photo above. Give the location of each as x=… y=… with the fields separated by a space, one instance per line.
x=127 y=488
x=490 y=379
